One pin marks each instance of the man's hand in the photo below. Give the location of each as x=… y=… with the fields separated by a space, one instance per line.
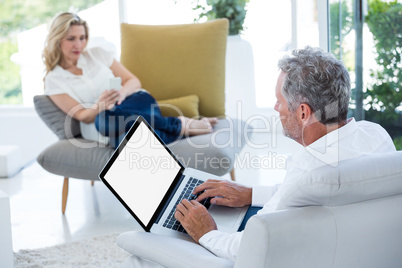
x=194 y=218
x=224 y=193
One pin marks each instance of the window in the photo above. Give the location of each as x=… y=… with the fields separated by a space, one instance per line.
x=276 y=27
x=23 y=26
x=367 y=37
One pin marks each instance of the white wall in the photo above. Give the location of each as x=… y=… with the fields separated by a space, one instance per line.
x=21 y=126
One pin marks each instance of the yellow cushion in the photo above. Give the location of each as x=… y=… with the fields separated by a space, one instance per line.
x=187 y=106
x=173 y=61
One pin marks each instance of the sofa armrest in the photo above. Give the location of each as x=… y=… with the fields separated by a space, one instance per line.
x=169 y=251
x=303 y=237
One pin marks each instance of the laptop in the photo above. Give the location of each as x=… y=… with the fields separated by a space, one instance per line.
x=149 y=181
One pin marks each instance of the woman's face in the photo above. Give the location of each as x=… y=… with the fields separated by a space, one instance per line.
x=73 y=43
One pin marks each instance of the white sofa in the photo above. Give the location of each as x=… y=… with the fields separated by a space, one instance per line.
x=358 y=224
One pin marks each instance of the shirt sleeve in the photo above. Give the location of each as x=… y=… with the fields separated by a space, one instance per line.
x=102 y=55
x=380 y=140
x=53 y=86
x=262 y=194
x=222 y=244
x=387 y=145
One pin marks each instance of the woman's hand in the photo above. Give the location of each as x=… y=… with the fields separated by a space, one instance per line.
x=107 y=99
x=122 y=96
x=130 y=82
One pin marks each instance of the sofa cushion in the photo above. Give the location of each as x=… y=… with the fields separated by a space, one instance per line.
x=169 y=251
x=364 y=178
x=187 y=106
x=178 y=60
x=65 y=127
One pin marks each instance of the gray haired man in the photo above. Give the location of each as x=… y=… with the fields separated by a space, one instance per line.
x=312 y=92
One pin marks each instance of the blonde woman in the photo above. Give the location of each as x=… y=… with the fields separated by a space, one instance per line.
x=77 y=81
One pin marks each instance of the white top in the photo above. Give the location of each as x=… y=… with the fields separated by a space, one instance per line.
x=86 y=88
x=352 y=140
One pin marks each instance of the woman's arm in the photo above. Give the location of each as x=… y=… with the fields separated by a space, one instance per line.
x=130 y=82
x=74 y=109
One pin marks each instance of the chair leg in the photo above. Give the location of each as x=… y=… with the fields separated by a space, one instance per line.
x=64 y=195
x=232 y=175
x=92 y=182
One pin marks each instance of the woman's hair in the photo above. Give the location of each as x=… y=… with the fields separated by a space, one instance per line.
x=318 y=79
x=58 y=30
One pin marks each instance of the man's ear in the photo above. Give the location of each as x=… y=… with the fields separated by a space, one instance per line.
x=305 y=114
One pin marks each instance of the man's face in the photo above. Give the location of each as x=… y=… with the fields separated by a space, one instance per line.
x=291 y=127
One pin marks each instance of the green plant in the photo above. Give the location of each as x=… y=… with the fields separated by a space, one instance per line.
x=10 y=83
x=233 y=10
x=398 y=143
x=340 y=26
x=384 y=20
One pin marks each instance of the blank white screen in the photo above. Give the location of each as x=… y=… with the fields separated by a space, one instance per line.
x=142 y=173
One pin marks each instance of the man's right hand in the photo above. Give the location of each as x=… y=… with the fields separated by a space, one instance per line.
x=224 y=193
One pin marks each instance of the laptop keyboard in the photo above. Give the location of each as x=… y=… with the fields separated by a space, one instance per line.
x=171 y=221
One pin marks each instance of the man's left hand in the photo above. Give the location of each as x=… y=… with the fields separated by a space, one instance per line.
x=195 y=218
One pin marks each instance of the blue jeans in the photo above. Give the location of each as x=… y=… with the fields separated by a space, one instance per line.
x=250 y=212
x=116 y=122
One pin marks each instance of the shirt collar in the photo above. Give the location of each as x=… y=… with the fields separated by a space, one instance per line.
x=81 y=63
x=321 y=148
x=59 y=71
x=336 y=135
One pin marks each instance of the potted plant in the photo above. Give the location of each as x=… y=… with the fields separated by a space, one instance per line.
x=233 y=10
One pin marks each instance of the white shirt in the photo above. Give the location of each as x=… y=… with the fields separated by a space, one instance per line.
x=86 y=88
x=350 y=141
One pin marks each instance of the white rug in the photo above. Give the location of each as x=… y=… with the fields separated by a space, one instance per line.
x=101 y=251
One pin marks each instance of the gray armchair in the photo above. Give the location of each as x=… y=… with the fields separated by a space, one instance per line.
x=75 y=157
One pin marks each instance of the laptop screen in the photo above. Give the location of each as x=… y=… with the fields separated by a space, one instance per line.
x=141 y=172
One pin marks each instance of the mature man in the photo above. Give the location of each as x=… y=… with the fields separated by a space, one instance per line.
x=312 y=91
